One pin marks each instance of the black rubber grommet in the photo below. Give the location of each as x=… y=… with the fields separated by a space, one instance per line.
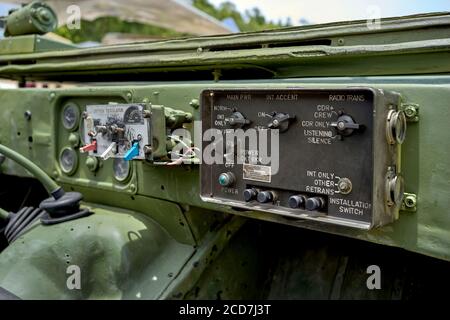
x=47 y=220
x=68 y=204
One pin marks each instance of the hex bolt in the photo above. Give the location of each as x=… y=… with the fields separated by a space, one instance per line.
x=410 y=112
x=27 y=115
x=345 y=186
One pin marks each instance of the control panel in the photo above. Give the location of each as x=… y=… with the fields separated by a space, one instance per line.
x=326 y=155
x=116 y=130
x=131 y=131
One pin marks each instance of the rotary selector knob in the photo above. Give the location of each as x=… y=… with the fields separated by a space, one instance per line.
x=314 y=203
x=296 y=201
x=345 y=125
x=226 y=179
x=237 y=119
x=250 y=194
x=265 y=197
x=280 y=121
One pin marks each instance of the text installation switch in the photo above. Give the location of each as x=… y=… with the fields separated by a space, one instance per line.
x=327 y=155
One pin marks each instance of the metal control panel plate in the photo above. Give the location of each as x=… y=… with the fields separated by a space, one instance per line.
x=116 y=129
x=326 y=155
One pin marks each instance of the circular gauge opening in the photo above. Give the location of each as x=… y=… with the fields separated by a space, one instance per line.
x=68 y=161
x=121 y=169
x=70 y=116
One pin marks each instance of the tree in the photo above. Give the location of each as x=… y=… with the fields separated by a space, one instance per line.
x=252 y=20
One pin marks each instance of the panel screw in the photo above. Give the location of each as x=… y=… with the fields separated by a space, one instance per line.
x=410 y=201
x=345 y=185
x=194 y=103
x=27 y=115
x=341 y=42
x=74 y=140
x=92 y=164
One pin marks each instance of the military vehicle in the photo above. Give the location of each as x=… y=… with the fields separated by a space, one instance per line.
x=302 y=163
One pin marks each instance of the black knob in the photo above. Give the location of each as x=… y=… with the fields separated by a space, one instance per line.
x=265 y=196
x=238 y=119
x=345 y=125
x=296 y=201
x=314 y=203
x=280 y=121
x=249 y=194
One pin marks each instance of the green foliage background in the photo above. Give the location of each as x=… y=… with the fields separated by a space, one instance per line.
x=251 y=20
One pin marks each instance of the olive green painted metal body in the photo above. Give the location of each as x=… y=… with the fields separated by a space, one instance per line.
x=34 y=18
x=162 y=204
x=31 y=43
x=424 y=231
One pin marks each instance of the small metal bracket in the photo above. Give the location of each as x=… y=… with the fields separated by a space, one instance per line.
x=409 y=202
x=411 y=112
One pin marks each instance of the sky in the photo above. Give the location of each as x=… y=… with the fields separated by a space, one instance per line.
x=323 y=11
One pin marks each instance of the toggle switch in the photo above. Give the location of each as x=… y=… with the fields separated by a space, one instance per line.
x=109 y=152
x=89 y=147
x=132 y=152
